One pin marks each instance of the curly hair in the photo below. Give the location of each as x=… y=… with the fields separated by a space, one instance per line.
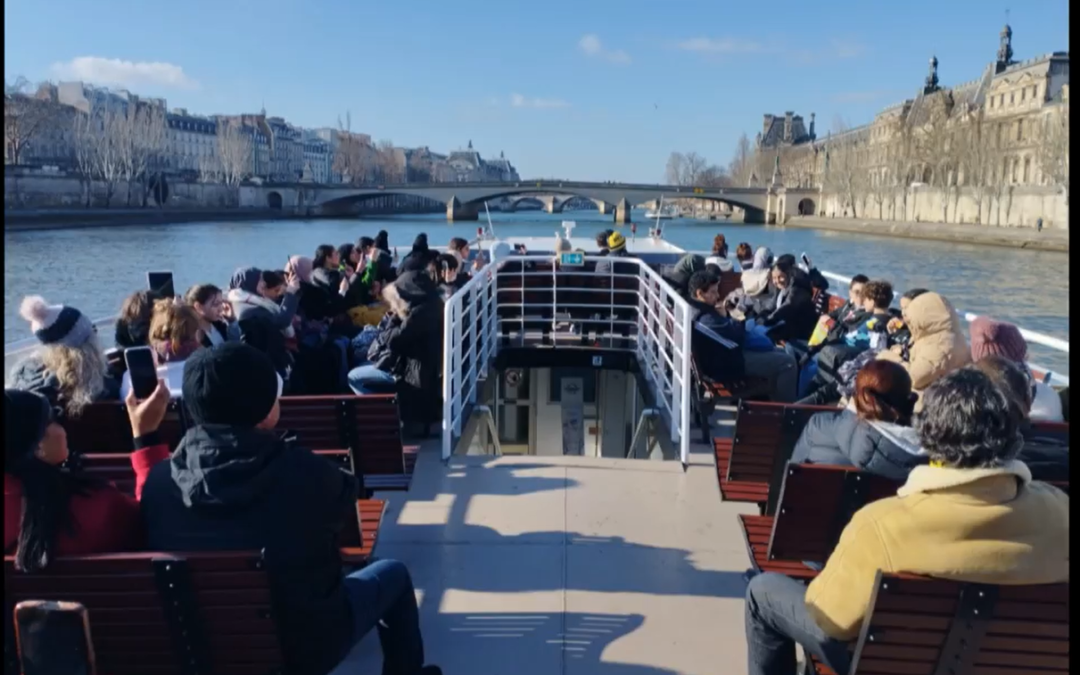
x=1011 y=379
x=176 y=324
x=880 y=292
x=967 y=422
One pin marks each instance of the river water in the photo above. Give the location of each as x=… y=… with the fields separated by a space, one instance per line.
x=93 y=269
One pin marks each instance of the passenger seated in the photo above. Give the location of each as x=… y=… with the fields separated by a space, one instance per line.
x=745 y=256
x=757 y=297
x=794 y=316
x=69 y=368
x=419 y=257
x=264 y=323
x=174 y=336
x=937 y=345
x=133 y=325
x=450 y=278
x=213 y=313
x=1004 y=339
x=49 y=512
x=719 y=255
x=326 y=269
x=832 y=325
x=776 y=366
x=876 y=436
x=899 y=333
x=972 y=514
x=410 y=350
x=681 y=273
x=233 y=484
x=1045 y=455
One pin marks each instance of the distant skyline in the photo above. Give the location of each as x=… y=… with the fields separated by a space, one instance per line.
x=584 y=91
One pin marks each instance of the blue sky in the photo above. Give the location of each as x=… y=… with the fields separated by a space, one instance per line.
x=600 y=90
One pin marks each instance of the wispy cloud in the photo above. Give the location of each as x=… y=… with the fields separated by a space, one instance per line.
x=835 y=50
x=522 y=101
x=725 y=45
x=119 y=73
x=591 y=46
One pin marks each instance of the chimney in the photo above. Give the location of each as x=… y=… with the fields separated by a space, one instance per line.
x=812 y=136
x=766 y=125
x=788 y=116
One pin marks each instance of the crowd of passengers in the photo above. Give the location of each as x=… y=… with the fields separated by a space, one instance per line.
x=915 y=403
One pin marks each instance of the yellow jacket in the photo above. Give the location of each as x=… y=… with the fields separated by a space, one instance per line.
x=991 y=526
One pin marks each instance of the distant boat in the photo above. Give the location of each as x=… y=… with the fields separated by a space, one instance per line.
x=662 y=213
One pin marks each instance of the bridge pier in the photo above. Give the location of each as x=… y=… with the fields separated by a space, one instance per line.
x=604 y=208
x=457 y=211
x=622 y=212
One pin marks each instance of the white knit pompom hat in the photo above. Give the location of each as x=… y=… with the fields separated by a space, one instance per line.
x=56 y=324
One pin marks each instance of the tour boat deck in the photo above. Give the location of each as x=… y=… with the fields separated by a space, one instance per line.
x=527 y=564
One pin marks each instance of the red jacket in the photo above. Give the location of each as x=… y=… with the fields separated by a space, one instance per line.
x=104 y=521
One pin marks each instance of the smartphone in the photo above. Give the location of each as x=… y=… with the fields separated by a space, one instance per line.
x=53 y=638
x=161 y=283
x=140 y=364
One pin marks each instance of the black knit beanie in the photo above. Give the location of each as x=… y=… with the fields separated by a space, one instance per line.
x=26 y=416
x=232 y=384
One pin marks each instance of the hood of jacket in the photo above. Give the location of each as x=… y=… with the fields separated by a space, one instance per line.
x=931 y=314
x=755 y=281
x=763 y=258
x=245 y=279
x=226 y=467
x=414 y=288
x=905 y=438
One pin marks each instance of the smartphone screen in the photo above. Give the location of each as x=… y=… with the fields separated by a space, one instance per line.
x=140 y=365
x=53 y=637
x=161 y=283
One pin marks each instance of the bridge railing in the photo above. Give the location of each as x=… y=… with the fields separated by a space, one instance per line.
x=527 y=301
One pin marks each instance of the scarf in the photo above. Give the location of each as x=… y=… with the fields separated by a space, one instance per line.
x=301 y=266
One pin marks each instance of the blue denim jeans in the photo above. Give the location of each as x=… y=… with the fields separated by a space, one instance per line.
x=776 y=618
x=382 y=596
x=367 y=379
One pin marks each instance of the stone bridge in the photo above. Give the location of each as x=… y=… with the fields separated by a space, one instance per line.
x=465 y=200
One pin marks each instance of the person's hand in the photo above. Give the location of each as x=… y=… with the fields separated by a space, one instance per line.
x=292 y=285
x=478 y=263
x=345 y=283
x=227 y=311
x=395 y=254
x=894 y=325
x=146 y=415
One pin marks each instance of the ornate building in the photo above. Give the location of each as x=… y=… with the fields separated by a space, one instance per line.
x=986 y=135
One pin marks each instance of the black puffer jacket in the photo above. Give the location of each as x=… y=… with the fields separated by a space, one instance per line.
x=841 y=438
x=246 y=489
x=1046 y=456
x=412 y=348
x=795 y=316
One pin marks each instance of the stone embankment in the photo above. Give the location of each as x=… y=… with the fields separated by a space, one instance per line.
x=1049 y=239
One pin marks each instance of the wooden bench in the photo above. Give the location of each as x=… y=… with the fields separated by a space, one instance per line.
x=921 y=626
x=160 y=613
x=104 y=427
x=765 y=435
x=367 y=428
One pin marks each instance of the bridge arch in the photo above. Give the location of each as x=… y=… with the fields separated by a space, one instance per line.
x=807 y=207
x=274 y=200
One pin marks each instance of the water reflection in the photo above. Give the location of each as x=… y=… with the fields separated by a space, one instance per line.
x=93 y=269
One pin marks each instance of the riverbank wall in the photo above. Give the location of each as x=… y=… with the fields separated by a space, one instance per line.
x=1055 y=239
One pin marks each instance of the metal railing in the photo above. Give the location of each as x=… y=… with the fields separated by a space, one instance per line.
x=527 y=300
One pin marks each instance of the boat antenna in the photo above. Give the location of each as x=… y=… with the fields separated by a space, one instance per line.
x=659 y=210
x=491 y=228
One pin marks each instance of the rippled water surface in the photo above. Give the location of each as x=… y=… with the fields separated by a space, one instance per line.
x=95 y=268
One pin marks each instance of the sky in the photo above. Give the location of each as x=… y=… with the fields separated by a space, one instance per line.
x=579 y=90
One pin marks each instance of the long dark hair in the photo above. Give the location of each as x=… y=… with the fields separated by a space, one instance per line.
x=46 y=509
x=323 y=253
x=382 y=241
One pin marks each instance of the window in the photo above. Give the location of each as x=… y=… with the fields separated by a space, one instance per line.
x=1027 y=169
x=1012 y=98
x=1023 y=94
x=1019 y=130
x=1014 y=163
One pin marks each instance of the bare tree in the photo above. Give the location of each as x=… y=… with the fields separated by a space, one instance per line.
x=977 y=149
x=84 y=135
x=25 y=117
x=675 y=171
x=234 y=150
x=741 y=167
x=1053 y=152
x=695 y=165
x=935 y=149
x=350 y=154
x=108 y=155
x=386 y=160
x=209 y=169
x=714 y=176
x=140 y=140
x=847 y=177
x=419 y=168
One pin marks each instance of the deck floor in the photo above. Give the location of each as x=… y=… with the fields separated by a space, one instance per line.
x=569 y=565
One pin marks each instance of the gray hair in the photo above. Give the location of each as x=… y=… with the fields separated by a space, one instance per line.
x=968 y=422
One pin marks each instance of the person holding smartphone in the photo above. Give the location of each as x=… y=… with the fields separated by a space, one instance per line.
x=49 y=512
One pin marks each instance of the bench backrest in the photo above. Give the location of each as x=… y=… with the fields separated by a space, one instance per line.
x=104 y=427
x=162 y=612
x=816 y=502
x=764 y=432
x=917 y=625
x=1058 y=431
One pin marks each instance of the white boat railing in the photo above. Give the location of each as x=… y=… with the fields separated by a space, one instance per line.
x=656 y=326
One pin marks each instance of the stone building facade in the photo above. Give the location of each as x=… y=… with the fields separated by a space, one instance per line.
x=973 y=149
